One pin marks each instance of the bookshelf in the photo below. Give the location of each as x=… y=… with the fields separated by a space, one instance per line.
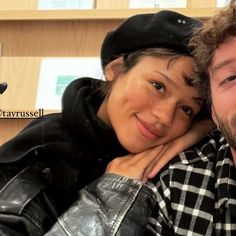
x=27 y=35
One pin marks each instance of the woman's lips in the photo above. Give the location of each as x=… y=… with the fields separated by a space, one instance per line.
x=146 y=130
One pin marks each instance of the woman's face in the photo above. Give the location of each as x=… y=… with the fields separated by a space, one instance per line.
x=151 y=103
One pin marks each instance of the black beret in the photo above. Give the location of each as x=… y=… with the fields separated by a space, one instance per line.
x=165 y=29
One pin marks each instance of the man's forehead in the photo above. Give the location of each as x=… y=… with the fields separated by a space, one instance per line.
x=223 y=55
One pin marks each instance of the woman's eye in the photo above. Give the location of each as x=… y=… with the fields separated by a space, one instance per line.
x=187 y=110
x=159 y=86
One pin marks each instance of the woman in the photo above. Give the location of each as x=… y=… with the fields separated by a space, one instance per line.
x=149 y=99
x=156 y=101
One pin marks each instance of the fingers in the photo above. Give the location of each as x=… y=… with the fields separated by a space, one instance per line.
x=152 y=171
x=144 y=159
x=147 y=164
x=160 y=161
x=134 y=165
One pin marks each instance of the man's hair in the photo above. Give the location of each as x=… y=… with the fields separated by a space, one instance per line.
x=207 y=39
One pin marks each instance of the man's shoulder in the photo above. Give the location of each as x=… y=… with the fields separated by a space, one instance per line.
x=186 y=186
x=198 y=158
x=202 y=152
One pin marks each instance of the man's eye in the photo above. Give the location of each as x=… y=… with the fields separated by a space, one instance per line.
x=188 y=110
x=159 y=86
x=229 y=79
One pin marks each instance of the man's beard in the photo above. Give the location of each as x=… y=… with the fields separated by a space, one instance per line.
x=228 y=129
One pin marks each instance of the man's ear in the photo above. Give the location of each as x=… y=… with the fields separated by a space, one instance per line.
x=113 y=68
x=213 y=115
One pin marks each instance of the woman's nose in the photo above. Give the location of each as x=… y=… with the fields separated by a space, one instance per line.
x=165 y=113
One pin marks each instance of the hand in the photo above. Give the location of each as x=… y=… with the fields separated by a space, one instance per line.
x=133 y=165
x=147 y=164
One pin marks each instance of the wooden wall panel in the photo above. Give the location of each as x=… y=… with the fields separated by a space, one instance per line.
x=53 y=38
x=201 y=3
x=111 y=4
x=9 y=128
x=99 y=4
x=21 y=74
x=18 y=4
x=24 y=40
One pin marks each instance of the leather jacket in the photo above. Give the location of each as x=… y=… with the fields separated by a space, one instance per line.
x=44 y=167
x=111 y=205
x=25 y=206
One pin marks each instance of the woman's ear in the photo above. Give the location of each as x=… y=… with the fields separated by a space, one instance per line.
x=113 y=69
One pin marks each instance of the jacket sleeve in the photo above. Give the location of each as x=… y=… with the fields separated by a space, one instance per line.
x=25 y=207
x=111 y=205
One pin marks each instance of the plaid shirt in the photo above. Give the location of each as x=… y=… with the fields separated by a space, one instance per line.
x=196 y=192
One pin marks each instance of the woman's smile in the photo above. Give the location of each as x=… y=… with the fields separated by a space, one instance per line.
x=147 y=130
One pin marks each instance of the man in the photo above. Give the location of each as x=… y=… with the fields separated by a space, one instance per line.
x=197 y=191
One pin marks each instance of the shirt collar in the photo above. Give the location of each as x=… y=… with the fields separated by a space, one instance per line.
x=225 y=177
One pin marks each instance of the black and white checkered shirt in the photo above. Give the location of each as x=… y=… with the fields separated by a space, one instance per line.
x=197 y=192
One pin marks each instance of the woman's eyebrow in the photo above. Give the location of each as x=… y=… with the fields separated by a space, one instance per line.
x=188 y=80
x=171 y=81
x=198 y=101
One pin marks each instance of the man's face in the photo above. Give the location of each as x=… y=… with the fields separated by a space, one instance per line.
x=223 y=89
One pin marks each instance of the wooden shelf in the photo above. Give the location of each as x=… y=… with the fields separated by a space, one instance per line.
x=96 y=14
x=27 y=35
